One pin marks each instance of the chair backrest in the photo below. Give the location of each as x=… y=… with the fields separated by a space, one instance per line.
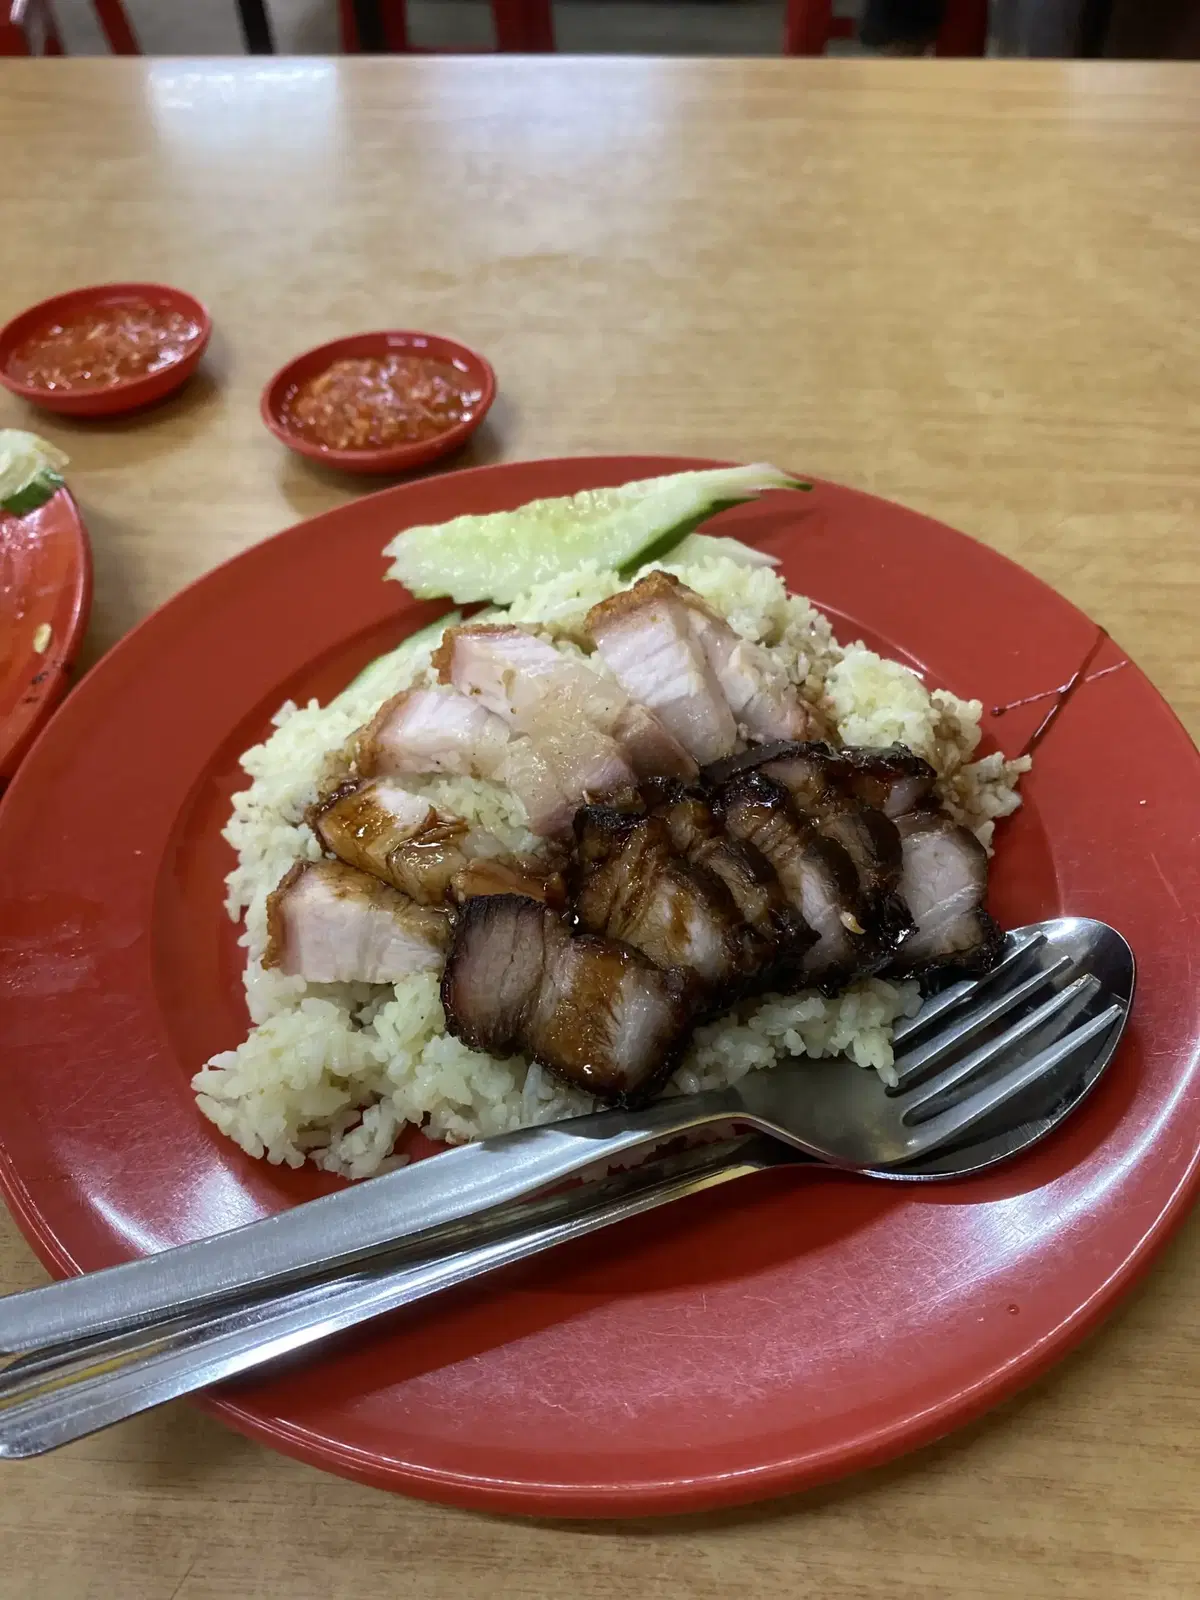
x=522 y=26
x=27 y=28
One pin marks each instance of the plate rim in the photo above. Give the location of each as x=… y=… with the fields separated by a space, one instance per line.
x=19 y=733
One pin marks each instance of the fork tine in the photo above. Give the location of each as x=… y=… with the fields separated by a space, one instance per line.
x=959 y=1071
x=923 y=1056
x=949 y=1125
x=1017 y=946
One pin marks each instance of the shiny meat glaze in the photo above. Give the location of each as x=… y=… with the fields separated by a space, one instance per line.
x=380 y=828
x=891 y=778
x=815 y=776
x=377 y=826
x=596 y=1013
x=697 y=835
x=628 y=883
x=533 y=879
x=816 y=875
x=904 y=847
x=329 y=923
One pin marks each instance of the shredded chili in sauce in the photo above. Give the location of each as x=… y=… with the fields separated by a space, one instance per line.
x=102 y=346
x=369 y=402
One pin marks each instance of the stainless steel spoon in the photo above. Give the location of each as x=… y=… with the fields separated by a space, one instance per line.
x=1049 y=1013
x=59 y=1394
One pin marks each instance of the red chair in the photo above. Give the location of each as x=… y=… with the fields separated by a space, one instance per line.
x=811 y=24
x=28 y=28
x=521 y=26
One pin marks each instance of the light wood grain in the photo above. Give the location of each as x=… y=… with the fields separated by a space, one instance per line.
x=967 y=286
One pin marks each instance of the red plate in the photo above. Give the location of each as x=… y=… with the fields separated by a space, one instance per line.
x=45 y=596
x=797 y=1327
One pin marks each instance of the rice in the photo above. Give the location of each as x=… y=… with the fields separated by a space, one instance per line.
x=333 y=1073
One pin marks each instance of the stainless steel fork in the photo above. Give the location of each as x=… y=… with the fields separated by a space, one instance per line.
x=62 y=1393
x=1061 y=989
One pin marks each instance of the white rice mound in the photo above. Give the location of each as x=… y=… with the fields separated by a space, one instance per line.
x=332 y=1073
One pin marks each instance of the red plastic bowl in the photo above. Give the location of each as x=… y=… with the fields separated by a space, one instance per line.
x=388 y=458
x=128 y=394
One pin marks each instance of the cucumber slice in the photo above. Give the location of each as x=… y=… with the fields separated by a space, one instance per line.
x=30 y=471
x=497 y=557
x=704 y=547
x=391 y=664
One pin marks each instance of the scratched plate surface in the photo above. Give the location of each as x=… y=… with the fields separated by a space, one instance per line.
x=45 y=594
x=794 y=1327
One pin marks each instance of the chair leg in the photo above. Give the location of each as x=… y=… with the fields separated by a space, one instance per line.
x=122 y=40
x=524 y=26
x=807 y=27
x=964 y=31
x=395 y=25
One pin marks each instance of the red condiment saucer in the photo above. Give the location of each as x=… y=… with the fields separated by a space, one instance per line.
x=475 y=370
x=45 y=596
x=127 y=394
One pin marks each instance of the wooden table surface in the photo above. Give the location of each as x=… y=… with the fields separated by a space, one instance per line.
x=968 y=286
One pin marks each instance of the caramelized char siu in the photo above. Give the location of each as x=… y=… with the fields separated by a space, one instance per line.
x=817 y=876
x=596 y=1013
x=630 y=884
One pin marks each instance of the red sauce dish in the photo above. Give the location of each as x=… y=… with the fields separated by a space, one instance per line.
x=379 y=402
x=99 y=351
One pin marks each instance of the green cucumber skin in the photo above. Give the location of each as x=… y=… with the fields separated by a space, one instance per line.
x=35 y=493
x=439 y=623
x=666 y=542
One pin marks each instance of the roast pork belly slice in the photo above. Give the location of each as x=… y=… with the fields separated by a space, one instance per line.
x=944 y=883
x=644 y=636
x=564 y=768
x=764 y=701
x=329 y=923
x=628 y=883
x=432 y=730
x=540 y=691
x=596 y=1013
x=649 y=748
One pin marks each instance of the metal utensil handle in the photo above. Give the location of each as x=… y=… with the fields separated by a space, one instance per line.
x=53 y=1403
x=308 y=1240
